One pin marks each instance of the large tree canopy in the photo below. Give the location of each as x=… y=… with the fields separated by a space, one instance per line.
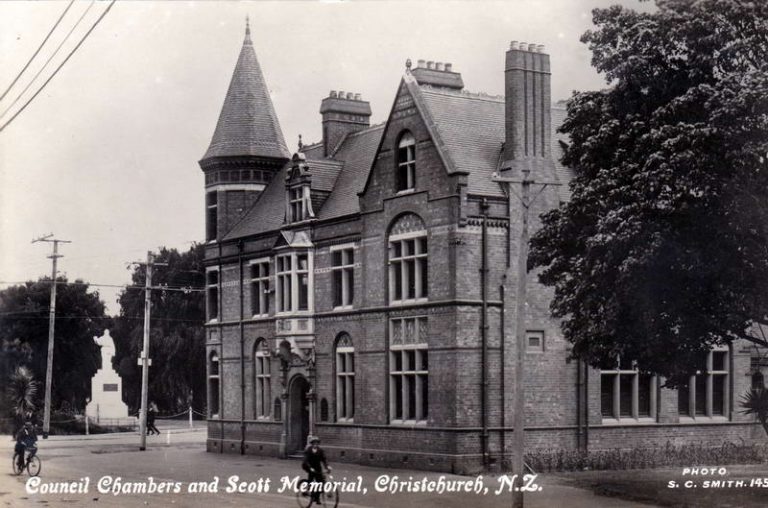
x=80 y=316
x=662 y=251
x=177 y=342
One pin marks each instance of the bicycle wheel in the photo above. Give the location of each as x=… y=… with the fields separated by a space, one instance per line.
x=330 y=499
x=34 y=465
x=16 y=469
x=303 y=497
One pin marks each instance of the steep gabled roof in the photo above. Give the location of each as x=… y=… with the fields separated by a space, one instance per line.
x=247 y=123
x=471 y=129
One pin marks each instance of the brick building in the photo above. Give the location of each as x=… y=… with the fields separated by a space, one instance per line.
x=356 y=289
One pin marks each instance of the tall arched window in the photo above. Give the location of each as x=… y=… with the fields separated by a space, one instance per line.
x=213 y=384
x=406 y=162
x=408 y=256
x=263 y=387
x=345 y=378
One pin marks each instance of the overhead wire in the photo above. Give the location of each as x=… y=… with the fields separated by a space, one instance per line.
x=51 y=57
x=37 y=51
x=185 y=289
x=95 y=24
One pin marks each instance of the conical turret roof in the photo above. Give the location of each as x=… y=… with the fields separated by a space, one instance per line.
x=247 y=124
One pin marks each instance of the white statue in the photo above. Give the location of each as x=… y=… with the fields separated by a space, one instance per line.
x=106 y=385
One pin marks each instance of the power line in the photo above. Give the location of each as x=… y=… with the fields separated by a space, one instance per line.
x=60 y=317
x=184 y=289
x=36 y=52
x=60 y=66
x=55 y=52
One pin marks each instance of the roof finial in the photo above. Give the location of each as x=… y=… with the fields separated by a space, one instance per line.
x=408 y=66
x=247 y=28
x=301 y=145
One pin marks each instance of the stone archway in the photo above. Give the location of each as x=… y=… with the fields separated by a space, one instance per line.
x=298 y=414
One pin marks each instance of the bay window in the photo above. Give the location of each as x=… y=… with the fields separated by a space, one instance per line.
x=293 y=276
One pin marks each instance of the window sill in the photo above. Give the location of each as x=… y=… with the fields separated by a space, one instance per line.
x=212 y=321
x=343 y=307
x=692 y=420
x=264 y=418
x=260 y=316
x=294 y=313
x=405 y=191
x=409 y=423
x=408 y=302
x=628 y=421
x=345 y=420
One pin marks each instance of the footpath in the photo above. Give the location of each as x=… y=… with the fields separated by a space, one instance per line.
x=177 y=457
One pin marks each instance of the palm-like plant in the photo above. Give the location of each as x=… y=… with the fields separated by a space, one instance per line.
x=755 y=402
x=22 y=389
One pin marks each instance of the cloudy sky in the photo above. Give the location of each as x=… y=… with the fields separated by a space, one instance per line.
x=106 y=156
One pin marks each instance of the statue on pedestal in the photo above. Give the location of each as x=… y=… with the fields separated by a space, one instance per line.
x=106 y=386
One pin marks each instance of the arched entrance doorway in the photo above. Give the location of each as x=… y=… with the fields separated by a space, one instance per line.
x=298 y=414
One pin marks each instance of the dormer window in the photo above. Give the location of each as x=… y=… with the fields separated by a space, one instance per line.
x=297 y=190
x=406 y=162
x=297 y=204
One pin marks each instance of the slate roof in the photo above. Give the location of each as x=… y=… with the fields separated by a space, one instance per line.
x=267 y=213
x=357 y=151
x=468 y=130
x=344 y=176
x=471 y=127
x=324 y=173
x=247 y=123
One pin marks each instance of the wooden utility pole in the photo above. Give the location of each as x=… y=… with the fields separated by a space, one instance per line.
x=518 y=395
x=51 y=327
x=144 y=360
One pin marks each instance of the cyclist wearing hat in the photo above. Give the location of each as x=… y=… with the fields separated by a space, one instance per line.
x=26 y=439
x=314 y=460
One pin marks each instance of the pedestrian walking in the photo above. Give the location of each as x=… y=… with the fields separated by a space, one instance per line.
x=151 y=414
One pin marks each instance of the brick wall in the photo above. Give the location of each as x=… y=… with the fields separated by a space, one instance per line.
x=450 y=440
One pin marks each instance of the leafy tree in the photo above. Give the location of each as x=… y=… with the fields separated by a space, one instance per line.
x=662 y=251
x=80 y=315
x=177 y=342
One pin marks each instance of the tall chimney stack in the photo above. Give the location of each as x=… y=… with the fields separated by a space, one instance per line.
x=528 y=98
x=343 y=113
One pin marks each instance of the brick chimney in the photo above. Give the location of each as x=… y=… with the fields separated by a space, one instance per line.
x=437 y=74
x=343 y=113
x=528 y=100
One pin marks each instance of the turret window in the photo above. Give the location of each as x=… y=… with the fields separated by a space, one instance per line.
x=212 y=293
x=211 y=217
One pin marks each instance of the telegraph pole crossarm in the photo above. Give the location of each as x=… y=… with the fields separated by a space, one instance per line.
x=518 y=395
x=51 y=323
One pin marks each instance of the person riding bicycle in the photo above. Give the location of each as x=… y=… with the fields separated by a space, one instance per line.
x=314 y=460
x=25 y=441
